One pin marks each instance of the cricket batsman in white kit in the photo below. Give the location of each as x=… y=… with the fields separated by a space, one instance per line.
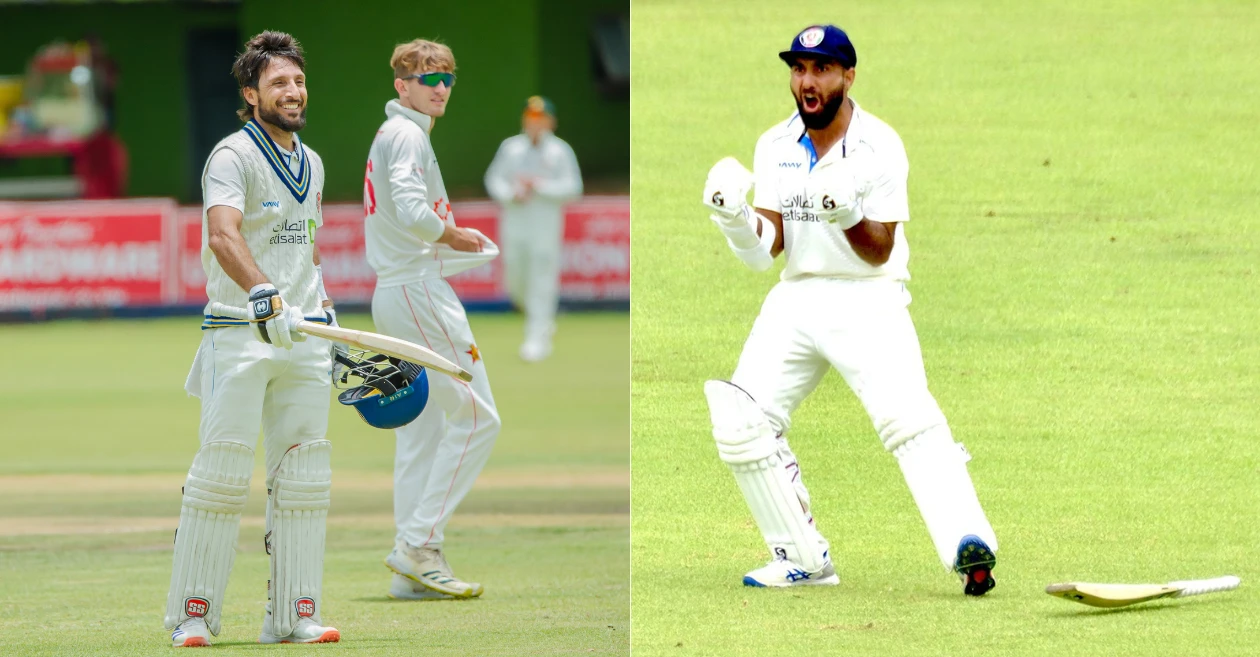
x=533 y=175
x=262 y=190
x=831 y=195
x=413 y=244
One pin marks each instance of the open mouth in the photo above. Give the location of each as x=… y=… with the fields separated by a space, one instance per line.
x=811 y=102
x=291 y=107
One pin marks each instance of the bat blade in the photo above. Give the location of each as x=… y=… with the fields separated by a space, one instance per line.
x=1111 y=595
x=384 y=344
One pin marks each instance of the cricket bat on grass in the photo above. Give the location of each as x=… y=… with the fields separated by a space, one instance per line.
x=1123 y=595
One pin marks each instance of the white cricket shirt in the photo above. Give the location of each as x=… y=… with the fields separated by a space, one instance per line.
x=871 y=158
x=405 y=202
x=279 y=196
x=557 y=180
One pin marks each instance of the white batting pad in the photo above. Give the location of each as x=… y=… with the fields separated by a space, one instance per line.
x=299 y=494
x=935 y=468
x=747 y=444
x=209 y=523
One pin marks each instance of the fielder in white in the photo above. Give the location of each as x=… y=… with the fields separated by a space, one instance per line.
x=413 y=244
x=831 y=194
x=262 y=189
x=532 y=177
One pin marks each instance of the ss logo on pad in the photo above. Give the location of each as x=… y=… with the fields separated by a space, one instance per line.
x=305 y=607
x=196 y=607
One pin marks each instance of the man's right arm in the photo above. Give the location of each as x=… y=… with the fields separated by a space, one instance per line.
x=498 y=185
x=225 y=200
x=229 y=248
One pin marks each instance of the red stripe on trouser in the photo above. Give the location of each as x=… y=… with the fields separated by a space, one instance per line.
x=472 y=398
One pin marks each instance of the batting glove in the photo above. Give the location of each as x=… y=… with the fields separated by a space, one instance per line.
x=836 y=201
x=726 y=191
x=275 y=322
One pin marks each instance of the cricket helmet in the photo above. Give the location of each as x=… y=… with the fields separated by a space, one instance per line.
x=390 y=393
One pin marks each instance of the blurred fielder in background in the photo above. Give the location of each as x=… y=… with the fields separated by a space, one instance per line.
x=413 y=244
x=262 y=190
x=831 y=194
x=532 y=176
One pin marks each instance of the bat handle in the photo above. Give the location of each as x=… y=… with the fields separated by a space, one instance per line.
x=224 y=310
x=1201 y=586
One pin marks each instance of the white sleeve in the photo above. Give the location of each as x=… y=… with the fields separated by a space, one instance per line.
x=405 y=161
x=886 y=199
x=765 y=178
x=225 y=180
x=567 y=185
x=498 y=184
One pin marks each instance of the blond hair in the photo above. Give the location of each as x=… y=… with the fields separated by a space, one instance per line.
x=422 y=56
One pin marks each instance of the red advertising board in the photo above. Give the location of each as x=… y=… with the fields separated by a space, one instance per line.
x=596 y=250
x=97 y=254
x=147 y=253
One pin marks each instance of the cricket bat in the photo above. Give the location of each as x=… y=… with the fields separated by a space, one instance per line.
x=381 y=344
x=1123 y=595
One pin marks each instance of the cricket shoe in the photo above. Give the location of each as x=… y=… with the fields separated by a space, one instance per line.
x=781 y=573
x=534 y=351
x=306 y=631
x=974 y=565
x=402 y=588
x=427 y=567
x=191 y=633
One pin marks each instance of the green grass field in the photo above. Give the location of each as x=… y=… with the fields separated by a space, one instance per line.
x=1084 y=247
x=97 y=435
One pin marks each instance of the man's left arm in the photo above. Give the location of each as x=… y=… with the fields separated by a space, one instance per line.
x=567 y=183
x=871 y=228
x=324 y=301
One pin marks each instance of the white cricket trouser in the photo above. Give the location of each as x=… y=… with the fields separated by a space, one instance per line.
x=440 y=454
x=532 y=258
x=245 y=384
x=862 y=329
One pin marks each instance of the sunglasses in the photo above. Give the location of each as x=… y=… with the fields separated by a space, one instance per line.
x=432 y=79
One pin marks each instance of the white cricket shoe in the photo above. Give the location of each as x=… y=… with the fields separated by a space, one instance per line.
x=401 y=588
x=535 y=350
x=306 y=631
x=192 y=633
x=428 y=567
x=781 y=573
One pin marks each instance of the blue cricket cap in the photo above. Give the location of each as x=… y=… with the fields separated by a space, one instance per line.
x=822 y=41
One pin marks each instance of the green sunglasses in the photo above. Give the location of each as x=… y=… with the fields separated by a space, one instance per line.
x=432 y=79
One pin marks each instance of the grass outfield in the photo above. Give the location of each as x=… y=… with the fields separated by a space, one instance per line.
x=97 y=435
x=1084 y=247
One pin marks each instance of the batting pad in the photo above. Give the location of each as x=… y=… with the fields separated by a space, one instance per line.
x=746 y=443
x=209 y=523
x=297 y=511
x=935 y=468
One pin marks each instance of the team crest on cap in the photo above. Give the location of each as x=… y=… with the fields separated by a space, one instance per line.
x=812 y=37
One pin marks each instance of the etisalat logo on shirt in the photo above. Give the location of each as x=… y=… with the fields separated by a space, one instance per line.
x=293 y=233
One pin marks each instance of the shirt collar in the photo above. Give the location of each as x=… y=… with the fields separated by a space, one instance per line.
x=394 y=108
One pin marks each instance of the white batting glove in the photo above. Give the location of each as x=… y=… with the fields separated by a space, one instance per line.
x=275 y=322
x=836 y=200
x=726 y=191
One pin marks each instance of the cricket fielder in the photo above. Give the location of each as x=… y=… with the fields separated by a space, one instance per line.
x=413 y=244
x=532 y=177
x=831 y=194
x=262 y=189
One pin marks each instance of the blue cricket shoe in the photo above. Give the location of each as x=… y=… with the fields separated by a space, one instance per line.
x=974 y=565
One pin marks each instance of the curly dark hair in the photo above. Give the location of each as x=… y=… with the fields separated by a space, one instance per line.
x=259 y=51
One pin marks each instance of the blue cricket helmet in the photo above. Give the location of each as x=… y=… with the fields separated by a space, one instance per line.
x=393 y=392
